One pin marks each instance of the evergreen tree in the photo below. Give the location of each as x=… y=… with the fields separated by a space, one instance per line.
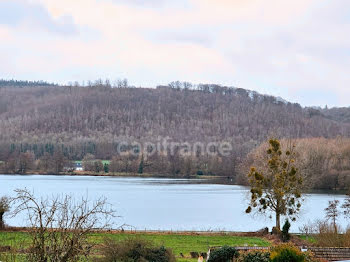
x=140 y=170
x=285 y=231
x=106 y=168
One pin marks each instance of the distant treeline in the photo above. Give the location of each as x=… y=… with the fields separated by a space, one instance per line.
x=20 y=83
x=57 y=158
x=52 y=124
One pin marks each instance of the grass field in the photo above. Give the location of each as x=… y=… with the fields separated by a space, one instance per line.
x=187 y=243
x=310 y=239
x=179 y=243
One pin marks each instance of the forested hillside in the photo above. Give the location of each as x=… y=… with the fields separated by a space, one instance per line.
x=341 y=114
x=69 y=122
x=323 y=163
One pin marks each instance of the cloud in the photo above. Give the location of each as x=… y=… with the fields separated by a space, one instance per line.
x=158 y=4
x=16 y=13
x=291 y=49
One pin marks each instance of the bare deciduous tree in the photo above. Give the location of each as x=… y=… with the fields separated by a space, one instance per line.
x=60 y=225
x=332 y=213
x=346 y=206
x=4 y=207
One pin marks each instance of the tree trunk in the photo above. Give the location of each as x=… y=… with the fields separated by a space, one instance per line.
x=278 y=223
x=2 y=224
x=335 y=225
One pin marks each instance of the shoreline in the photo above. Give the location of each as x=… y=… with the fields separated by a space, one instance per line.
x=198 y=179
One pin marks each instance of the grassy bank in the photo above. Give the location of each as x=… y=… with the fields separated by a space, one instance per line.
x=179 y=243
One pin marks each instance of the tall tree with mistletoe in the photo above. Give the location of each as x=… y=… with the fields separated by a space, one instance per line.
x=276 y=188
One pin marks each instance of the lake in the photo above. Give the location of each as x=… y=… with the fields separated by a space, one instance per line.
x=165 y=204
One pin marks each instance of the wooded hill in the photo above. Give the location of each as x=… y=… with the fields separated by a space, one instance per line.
x=75 y=120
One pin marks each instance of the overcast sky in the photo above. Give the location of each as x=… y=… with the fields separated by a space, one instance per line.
x=296 y=49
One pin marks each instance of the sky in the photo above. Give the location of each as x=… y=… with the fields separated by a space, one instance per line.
x=298 y=50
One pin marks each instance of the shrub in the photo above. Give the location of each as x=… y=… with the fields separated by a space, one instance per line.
x=287 y=253
x=223 y=254
x=257 y=257
x=276 y=231
x=326 y=236
x=135 y=250
x=285 y=231
x=60 y=225
x=200 y=173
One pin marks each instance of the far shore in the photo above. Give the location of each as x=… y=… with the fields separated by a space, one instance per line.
x=198 y=179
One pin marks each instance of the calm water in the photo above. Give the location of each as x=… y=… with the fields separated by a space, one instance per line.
x=164 y=204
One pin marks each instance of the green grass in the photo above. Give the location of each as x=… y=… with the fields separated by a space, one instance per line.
x=14 y=239
x=187 y=243
x=103 y=161
x=310 y=239
x=186 y=259
x=12 y=257
x=178 y=243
